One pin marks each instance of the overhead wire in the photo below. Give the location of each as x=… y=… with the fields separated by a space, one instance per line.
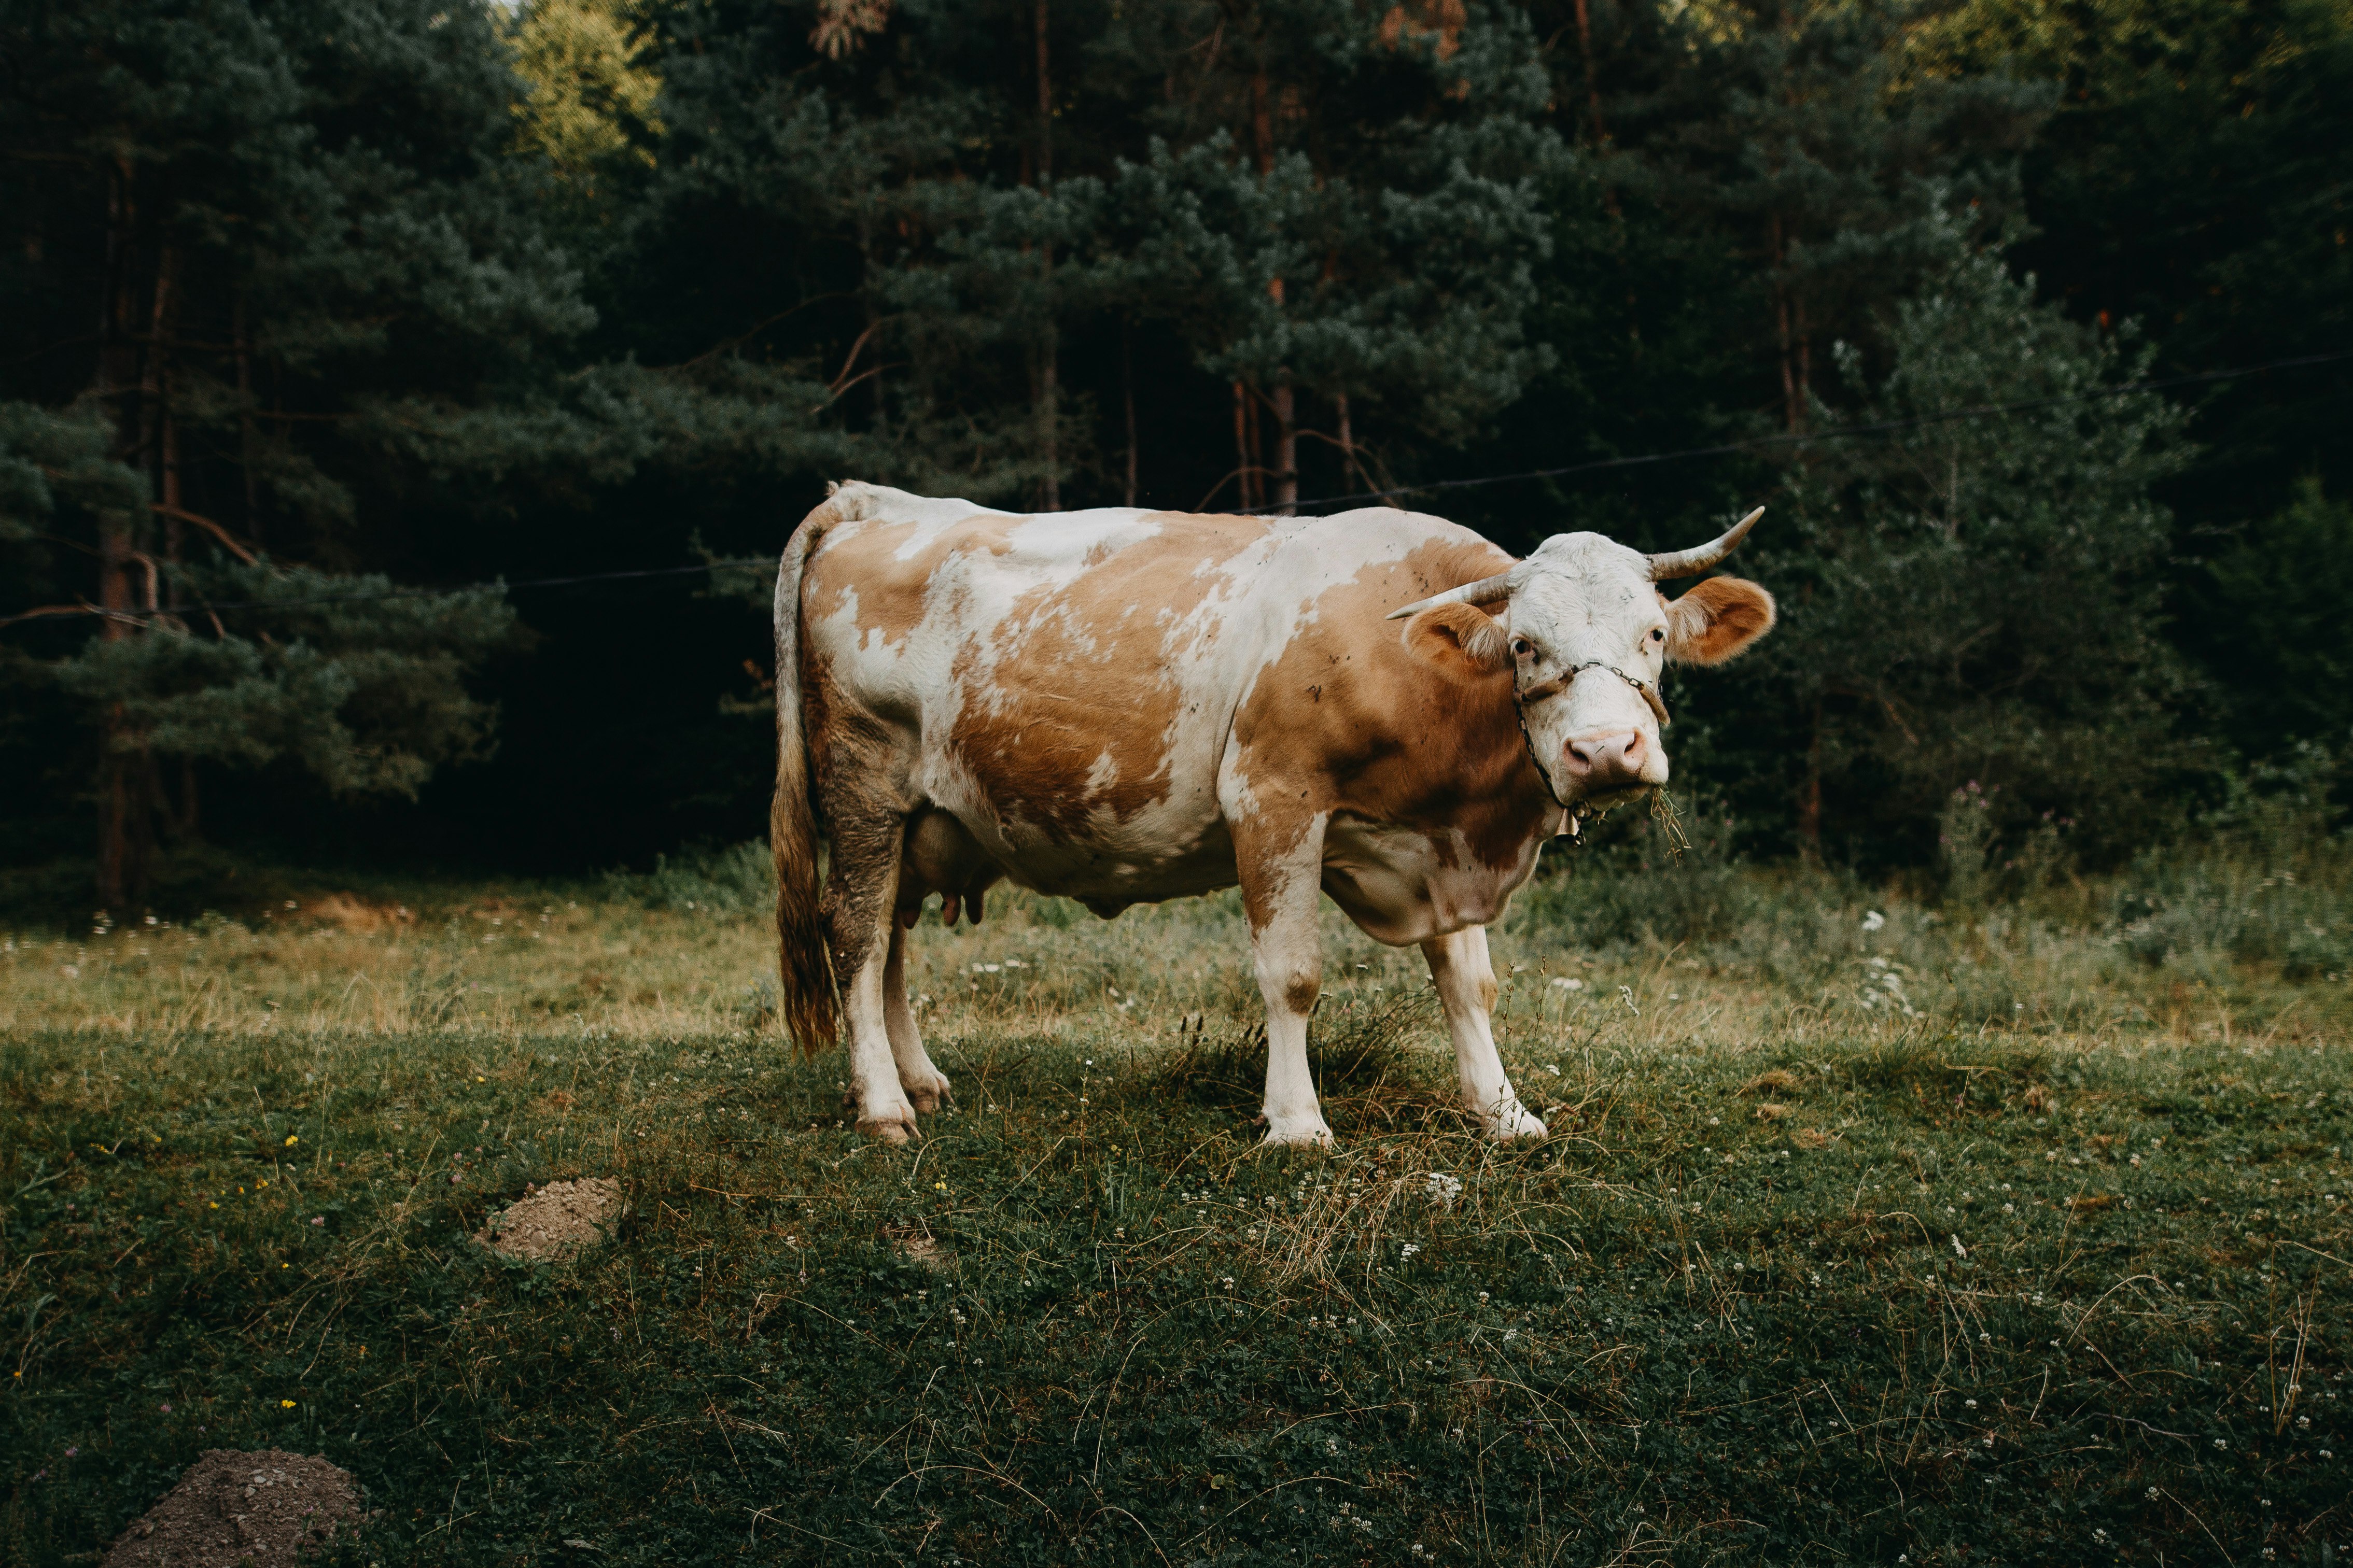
x=1797 y=437
x=1726 y=448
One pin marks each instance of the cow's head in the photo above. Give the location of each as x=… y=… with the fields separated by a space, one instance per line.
x=1586 y=634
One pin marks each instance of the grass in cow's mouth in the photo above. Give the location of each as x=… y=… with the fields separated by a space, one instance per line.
x=1862 y=1234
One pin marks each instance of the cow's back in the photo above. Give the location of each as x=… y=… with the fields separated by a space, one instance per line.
x=1068 y=683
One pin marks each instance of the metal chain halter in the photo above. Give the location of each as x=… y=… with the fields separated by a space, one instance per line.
x=1543 y=691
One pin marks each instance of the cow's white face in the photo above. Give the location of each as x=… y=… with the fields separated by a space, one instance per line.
x=1585 y=632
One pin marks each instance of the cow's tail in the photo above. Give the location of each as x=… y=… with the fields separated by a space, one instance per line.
x=804 y=965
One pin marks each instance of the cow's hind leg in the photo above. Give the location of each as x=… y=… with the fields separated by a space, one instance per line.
x=1466 y=988
x=1280 y=885
x=925 y=1086
x=861 y=895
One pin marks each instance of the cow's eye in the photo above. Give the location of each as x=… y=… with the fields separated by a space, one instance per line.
x=1522 y=648
x=1658 y=633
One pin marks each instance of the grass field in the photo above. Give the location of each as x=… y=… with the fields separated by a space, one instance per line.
x=1867 y=1234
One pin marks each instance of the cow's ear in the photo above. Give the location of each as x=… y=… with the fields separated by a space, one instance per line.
x=1463 y=638
x=1717 y=620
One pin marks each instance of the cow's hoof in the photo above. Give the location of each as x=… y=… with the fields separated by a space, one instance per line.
x=1516 y=1122
x=1298 y=1132
x=890 y=1127
x=926 y=1098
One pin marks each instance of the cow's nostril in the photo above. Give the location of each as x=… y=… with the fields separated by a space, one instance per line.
x=1605 y=759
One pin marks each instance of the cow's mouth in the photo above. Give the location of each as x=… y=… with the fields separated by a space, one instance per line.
x=1593 y=807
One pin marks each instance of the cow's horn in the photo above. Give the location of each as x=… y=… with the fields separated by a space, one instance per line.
x=1684 y=562
x=1485 y=591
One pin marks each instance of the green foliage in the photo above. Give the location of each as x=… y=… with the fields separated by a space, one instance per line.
x=1622 y=887
x=592 y=99
x=356 y=682
x=1382 y=246
x=735 y=880
x=2265 y=883
x=2290 y=575
x=1797 y=132
x=54 y=461
x=2192 y=178
x=1979 y=599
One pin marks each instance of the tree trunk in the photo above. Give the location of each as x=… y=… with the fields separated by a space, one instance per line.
x=1809 y=805
x=1286 y=436
x=1127 y=397
x=1805 y=362
x=873 y=318
x=1048 y=349
x=1792 y=409
x=1592 y=86
x=124 y=821
x=1254 y=465
x=1349 y=483
x=1286 y=452
x=175 y=542
x=1241 y=446
x=245 y=427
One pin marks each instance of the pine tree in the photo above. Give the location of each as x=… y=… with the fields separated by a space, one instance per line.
x=1351 y=213
x=1980 y=599
x=288 y=224
x=1802 y=131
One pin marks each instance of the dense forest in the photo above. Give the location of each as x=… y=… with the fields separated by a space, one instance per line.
x=392 y=390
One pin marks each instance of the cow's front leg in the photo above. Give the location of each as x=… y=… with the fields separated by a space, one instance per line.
x=926 y=1086
x=1466 y=988
x=1280 y=879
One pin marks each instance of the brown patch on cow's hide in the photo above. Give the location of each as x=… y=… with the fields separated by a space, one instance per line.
x=1069 y=708
x=1387 y=734
x=1302 y=990
x=860 y=561
x=1717 y=620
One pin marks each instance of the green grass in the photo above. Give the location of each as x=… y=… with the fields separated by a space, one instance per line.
x=1086 y=1321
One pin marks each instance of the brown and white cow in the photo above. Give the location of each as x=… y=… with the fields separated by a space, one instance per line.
x=1123 y=706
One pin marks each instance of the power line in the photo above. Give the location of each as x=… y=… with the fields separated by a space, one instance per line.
x=393 y=593
x=1787 y=438
x=1796 y=437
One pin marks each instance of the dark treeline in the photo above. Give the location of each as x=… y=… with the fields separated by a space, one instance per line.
x=314 y=318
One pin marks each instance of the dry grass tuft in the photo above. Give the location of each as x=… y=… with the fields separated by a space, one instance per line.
x=1773 y=1081
x=345 y=912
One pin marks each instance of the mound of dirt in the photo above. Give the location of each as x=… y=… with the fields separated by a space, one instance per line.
x=554 y=1221
x=265 y=1508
